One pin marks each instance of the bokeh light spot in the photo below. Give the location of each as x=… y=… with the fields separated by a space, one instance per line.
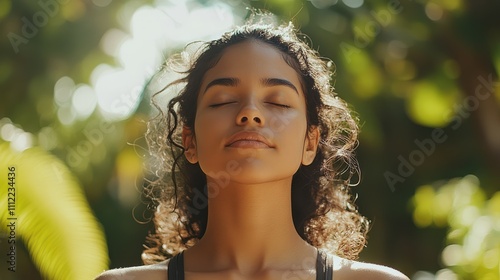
x=322 y=4
x=63 y=91
x=428 y=104
x=446 y=274
x=84 y=101
x=7 y=131
x=112 y=40
x=22 y=141
x=433 y=11
x=452 y=255
x=66 y=115
x=353 y=3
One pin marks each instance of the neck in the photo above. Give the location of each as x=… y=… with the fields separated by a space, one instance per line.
x=249 y=226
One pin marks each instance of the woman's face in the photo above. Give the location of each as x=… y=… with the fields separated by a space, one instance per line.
x=250 y=124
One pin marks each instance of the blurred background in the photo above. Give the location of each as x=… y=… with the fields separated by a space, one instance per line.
x=421 y=74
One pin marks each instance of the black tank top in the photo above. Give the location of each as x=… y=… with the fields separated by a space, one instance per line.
x=324 y=267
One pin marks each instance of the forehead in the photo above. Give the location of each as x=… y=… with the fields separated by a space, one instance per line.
x=253 y=59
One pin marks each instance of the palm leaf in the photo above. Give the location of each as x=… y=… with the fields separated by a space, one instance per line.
x=54 y=219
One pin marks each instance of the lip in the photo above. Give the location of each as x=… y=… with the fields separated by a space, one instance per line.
x=248 y=139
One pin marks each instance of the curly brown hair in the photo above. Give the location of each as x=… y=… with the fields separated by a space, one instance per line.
x=323 y=209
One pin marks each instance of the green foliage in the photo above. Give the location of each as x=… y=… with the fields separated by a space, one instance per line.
x=405 y=66
x=54 y=219
x=473 y=223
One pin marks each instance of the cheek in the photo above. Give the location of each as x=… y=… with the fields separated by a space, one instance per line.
x=293 y=122
x=291 y=130
x=210 y=130
x=282 y=121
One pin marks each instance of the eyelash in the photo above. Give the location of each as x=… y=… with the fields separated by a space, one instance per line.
x=271 y=103
x=219 y=104
x=279 y=105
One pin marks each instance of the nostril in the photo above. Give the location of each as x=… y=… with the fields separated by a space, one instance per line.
x=245 y=119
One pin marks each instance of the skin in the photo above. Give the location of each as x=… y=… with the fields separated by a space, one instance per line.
x=250 y=232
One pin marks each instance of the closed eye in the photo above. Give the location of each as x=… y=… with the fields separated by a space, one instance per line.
x=220 y=104
x=279 y=105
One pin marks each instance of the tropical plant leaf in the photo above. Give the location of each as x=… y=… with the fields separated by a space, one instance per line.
x=52 y=215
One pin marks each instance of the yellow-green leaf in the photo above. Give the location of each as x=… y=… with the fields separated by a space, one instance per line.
x=51 y=215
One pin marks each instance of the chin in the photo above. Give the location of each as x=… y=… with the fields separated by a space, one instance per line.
x=248 y=170
x=254 y=175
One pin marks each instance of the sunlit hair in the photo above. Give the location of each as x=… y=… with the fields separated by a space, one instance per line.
x=323 y=210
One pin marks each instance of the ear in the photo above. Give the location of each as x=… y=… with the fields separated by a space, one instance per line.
x=189 y=143
x=310 y=145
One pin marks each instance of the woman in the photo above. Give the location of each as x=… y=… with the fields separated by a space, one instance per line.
x=254 y=158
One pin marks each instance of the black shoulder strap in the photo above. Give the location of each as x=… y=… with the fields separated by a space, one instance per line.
x=324 y=266
x=176 y=267
x=329 y=267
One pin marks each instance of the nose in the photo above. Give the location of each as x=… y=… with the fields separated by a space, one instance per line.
x=250 y=115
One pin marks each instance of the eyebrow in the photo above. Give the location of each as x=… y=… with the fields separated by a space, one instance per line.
x=268 y=82
x=230 y=82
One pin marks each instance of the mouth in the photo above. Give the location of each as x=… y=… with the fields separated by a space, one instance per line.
x=249 y=139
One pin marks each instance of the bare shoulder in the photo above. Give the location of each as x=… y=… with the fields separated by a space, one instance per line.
x=152 y=272
x=347 y=269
